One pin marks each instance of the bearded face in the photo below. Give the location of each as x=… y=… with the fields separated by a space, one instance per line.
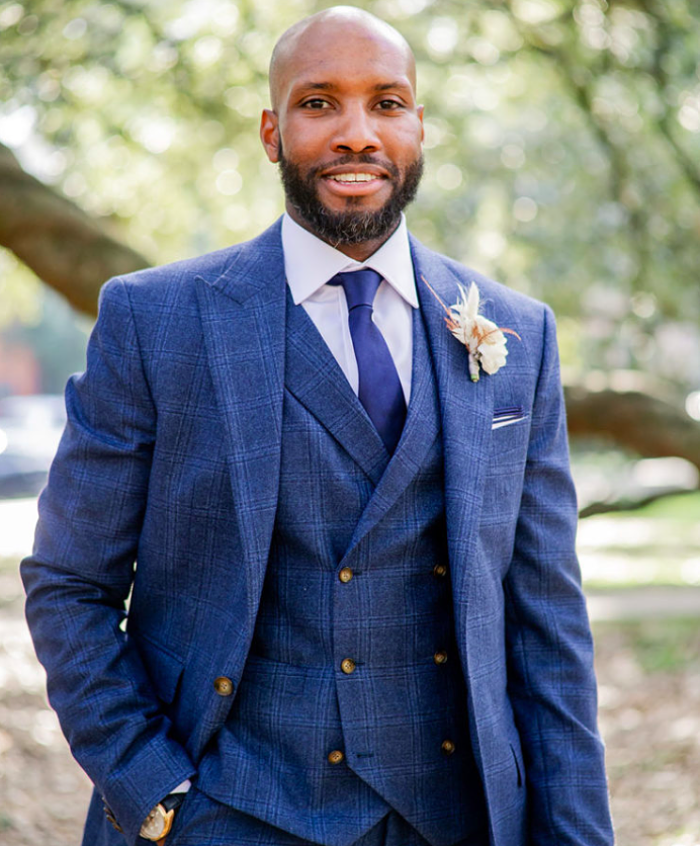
x=354 y=224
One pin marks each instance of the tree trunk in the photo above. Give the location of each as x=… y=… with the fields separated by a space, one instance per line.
x=56 y=239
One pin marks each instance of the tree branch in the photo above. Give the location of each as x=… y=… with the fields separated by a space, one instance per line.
x=658 y=72
x=66 y=248
x=596 y=508
x=619 y=166
x=635 y=420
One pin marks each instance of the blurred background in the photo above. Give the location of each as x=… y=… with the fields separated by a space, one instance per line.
x=563 y=158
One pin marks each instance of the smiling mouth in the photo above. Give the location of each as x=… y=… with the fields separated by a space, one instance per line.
x=354 y=177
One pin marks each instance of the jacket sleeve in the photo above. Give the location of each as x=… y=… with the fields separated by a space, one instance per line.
x=79 y=575
x=551 y=682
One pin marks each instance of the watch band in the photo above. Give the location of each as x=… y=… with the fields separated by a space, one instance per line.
x=166 y=808
x=171 y=803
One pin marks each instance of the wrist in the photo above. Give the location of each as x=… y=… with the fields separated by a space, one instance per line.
x=158 y=823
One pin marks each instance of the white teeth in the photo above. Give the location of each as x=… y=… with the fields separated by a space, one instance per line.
x=354 y=177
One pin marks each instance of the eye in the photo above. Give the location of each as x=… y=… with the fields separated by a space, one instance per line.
x=315 y=104
x=389 y=105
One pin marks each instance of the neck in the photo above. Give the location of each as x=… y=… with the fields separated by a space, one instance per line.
x=358 y=252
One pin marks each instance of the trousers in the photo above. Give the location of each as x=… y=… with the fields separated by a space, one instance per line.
x=201 y=821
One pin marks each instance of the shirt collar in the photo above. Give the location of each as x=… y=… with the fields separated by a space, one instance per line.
x=310 y=262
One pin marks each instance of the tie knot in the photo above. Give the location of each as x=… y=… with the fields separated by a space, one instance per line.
x=360 y=286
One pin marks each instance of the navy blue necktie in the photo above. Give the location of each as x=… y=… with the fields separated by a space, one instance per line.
x=380 y=389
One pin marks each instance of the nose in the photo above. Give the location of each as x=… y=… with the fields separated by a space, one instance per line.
x=356 y=131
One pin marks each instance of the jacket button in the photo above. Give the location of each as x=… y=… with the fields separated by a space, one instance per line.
x=223 y=686
x=335 y=757
x=345 y=575
x=347 y=665
x=440 y=571
x=448 y=747
x=440 y=657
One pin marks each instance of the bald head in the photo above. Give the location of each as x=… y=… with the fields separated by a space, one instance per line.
x=338 y=21
x=345 y=127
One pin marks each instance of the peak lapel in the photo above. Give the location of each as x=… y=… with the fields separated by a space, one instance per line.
x=243 y=318
x=316 y=379
x=421 y=428
x=466 y=409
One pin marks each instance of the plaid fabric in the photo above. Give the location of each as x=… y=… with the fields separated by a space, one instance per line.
x=205 y=821
x=295 y=704
x=171 y=458
x=202 y=821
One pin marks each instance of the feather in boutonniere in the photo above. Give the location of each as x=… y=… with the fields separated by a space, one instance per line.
x=484 y=340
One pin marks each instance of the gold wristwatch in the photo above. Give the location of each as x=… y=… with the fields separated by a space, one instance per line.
x=158 y=823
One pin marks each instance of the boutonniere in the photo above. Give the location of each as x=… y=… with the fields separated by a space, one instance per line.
x=485 y=342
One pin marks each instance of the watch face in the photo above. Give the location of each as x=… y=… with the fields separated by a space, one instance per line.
x=153 y=827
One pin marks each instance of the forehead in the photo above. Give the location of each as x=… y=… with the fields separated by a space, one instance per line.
x=344 y=56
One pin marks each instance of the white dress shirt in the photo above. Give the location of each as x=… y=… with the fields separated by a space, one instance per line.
x=310 y=262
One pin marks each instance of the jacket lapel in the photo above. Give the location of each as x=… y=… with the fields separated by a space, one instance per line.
x=466 y=409
x=243 y=317
x=315 y=378
x=420 y=430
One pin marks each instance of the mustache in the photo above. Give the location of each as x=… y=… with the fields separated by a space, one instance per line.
x=355 y=159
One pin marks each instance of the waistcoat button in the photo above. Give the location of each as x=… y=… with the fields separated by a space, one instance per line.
x=440 y=657
x=223 y=686
x=448 y=747
x=335 y=757
x=347 y=665
x=440 y=570
x=345 y=575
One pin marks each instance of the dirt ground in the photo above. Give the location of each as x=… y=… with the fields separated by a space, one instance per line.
x=649 y=676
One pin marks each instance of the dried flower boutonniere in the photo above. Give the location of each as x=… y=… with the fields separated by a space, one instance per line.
x=485 y=342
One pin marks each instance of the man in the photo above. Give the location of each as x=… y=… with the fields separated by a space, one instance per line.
x=356 y=616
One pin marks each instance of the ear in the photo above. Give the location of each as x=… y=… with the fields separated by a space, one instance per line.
x=419 y=110
x=270 y=134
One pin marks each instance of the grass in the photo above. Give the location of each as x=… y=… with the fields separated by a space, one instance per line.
x=657 y=545
x=664 y=645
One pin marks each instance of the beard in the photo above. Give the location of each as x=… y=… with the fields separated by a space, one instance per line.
x=351 y=226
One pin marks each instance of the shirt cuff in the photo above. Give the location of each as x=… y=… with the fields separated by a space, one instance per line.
x=183 y=787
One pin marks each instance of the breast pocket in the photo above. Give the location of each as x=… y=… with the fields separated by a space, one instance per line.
x=505 y=468
x=510 y=432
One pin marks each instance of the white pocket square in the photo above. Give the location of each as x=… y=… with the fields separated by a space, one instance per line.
x=499 y=424
x=507 y=416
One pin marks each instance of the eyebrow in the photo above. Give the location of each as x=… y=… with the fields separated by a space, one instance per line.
x=329 y=86
x=389 y=85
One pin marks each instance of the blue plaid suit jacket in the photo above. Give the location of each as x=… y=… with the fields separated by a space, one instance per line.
x=184 y=375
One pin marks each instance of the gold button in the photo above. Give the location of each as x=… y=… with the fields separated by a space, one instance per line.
x=440 y=570
x=335 y=757
x=347 y=665
x=345 y=575
x=448 y=747
x=223 y=686
x=440 y=657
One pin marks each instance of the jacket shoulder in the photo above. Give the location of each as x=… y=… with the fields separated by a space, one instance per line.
x=491 y=289
x=507 y=308
x=176 y=280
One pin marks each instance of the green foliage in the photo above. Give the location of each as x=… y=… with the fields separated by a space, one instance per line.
x=19 y=292
x=683 y=508
x=659 y=645
x=563 y=141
